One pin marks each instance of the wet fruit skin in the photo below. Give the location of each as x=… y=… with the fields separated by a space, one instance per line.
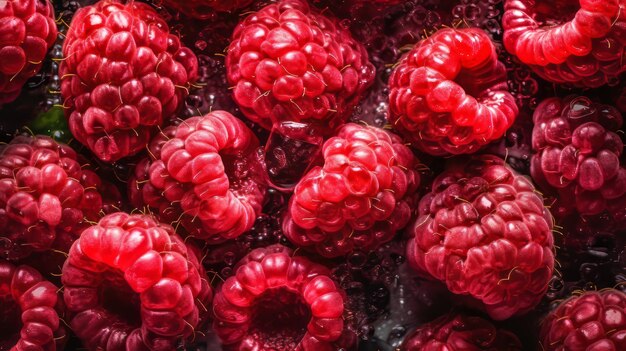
x=449 y=95
x=37 y=303
x=27 y=32
x=288 y=62
x=203 y=174
x=144 y=262
x=359 y=197
x=591 y=321
x=458 y=332
x=583 y=49
x=485 y=233
x=204 y=9
x=123 y=75
x=276 y=269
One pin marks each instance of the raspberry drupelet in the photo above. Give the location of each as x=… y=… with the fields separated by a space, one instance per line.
x=288 y=62
x=449 y=94
x=27 y=32
x=359 y=197
x=277 y=301
x=484 y=232
x=130 y=283
x=124 y=75
x=578 y=42
x=205 y=175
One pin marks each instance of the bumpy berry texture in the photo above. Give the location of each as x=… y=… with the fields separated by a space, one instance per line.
x=130 y=283
x=45 y=193
x=449 y=94
x=205 y=9
x=485 y=233
x=288 y=62
x=361 y=195
x=589 y=322
x=458 y=332
x=206 y=175
x=27 y=32
x=566 y=41
x=29 y=311
x=123 y=75
x=577 y=156
x=277 y=301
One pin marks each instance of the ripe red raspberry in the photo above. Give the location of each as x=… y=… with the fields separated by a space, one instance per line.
x=130 y=283
x=358 y=198
x=29 y=303
x=276 y=301
x=577 y=156
x=449 y=94
x=288 y=62
x=593 y=321
x=457 y=332
x=123 y=75
x=205 y=9
x=577 y=42
x=485 y=233
x=45 y=193
x=203 y=174
x=27 y=32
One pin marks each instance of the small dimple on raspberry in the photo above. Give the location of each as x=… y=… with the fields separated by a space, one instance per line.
x=579 y=42
x=592 y=321
x=205 y=9
x=288 y=62
x=205 y=175
x=577 y=157
x=449 y=95
x=29 y=312
x=123 y=76
x=27 y=32
x=131 y=283
x=358 y=198
x=278 y=301
x=485 y=233
x=460 y=332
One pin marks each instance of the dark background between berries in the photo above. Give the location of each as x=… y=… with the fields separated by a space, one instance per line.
x=385 y=297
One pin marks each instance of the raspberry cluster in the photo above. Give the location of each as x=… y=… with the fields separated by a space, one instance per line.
x=124 y=74
x=359 y=198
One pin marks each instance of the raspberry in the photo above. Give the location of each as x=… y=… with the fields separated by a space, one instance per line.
x=277 y=301
x=564 y=41
x=204 y=9
x=449 y=94
x=29 y=303
x=485 y=233
x=577 y=156
x=27 y=32
x=44 y=194
x=123 y=76
x=132 y=284
x=288 y=62
x=592 y=321
x=358 y=198
x=207 y=170
x=457 y=332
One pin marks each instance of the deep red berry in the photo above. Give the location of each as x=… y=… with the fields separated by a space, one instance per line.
x=593 y=321
x=288 y=62
x=277 y=301
x=358 y=198
x=130 y=283
x=577 y=156
x=45 y=193
x=205 y=176
x=577 y=42
x=205 y=9
x=29 y=318
x=458 y=332
x=123 y=75
x=27 y=32
x=449 y=94
x=485 y=233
